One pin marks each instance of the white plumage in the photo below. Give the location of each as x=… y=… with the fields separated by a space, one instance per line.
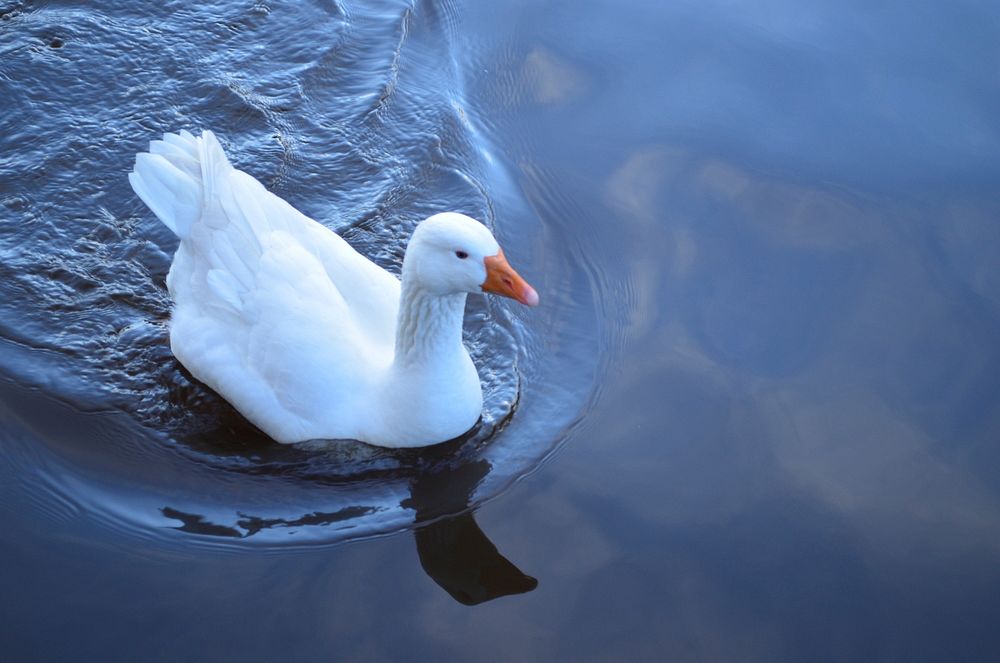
x=303 y=335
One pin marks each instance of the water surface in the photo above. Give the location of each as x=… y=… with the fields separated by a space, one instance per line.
x=756 y=417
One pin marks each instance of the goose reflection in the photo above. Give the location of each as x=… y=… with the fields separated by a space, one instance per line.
x=453 y=550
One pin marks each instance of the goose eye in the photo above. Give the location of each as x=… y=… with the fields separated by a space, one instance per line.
x=461 y=254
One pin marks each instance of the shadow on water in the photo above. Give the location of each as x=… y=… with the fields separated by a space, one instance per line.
x=453 y=550
x=250 y=525
x=68 y=477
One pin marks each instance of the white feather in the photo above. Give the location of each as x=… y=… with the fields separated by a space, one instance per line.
x=298 y=330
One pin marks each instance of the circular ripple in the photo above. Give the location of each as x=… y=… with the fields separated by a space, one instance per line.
x=354 y=115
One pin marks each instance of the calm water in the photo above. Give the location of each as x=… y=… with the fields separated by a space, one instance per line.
x=757 y=416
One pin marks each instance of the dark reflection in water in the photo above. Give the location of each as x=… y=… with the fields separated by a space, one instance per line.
x=460 y=558
x=250 y=525
x=453 y=550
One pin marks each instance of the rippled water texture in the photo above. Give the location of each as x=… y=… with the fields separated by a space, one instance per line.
x=359 y=118
x=756 y=418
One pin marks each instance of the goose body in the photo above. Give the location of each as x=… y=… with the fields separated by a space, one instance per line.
x=306 y=337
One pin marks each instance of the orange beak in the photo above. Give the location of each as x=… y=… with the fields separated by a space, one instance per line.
x=501 y=279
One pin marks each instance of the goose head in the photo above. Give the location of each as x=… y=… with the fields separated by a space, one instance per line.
x=451 y=253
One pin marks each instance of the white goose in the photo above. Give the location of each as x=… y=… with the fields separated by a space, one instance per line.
x=303 y=335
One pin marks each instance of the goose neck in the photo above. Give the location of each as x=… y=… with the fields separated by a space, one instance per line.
x=429 y=325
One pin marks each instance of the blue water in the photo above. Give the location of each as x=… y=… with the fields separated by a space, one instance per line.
x=757 y=416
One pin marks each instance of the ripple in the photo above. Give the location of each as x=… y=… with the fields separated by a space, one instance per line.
x=356 y=116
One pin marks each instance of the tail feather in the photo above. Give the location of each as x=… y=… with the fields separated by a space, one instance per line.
x=178 y=176
x=178 y=157
x=173 y=195
x=214 y=163
x=216 y=211
x=185 y=140
x=168 y=179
